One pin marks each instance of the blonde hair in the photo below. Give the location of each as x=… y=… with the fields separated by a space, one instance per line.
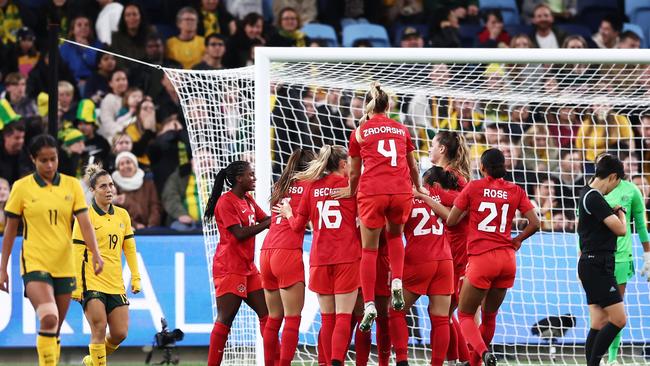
x=92 y=173
x=325 y=163
x=65 y=86
x=377 y=101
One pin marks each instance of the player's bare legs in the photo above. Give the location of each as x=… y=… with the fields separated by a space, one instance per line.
x=274 y=303
x=394 y=233
x=471 y=299
x=96 y=315
x=293 y=299
x=118 y=325
x=256 y=301
x=227 y=308
x=41 y=295
x=368 y=275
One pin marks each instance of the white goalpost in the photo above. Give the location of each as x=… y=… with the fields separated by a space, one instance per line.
x=550 y=111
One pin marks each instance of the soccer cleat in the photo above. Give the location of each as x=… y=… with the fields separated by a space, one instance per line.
x=87 y=361
x=613 y=363
x=462 y=363
x=489 y=359
x=397 y=294
x=369 y=316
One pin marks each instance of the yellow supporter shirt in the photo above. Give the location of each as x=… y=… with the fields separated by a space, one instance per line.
x=114 y=236
x=187 y=53
x=47 y=211
x=595 y=138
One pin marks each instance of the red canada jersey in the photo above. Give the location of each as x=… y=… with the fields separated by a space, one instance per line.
x=491 y=204
x=456 y=236
x=425 y=236
x=336 y=237
x=383 y=150
x=280 y=235
x=233 y=256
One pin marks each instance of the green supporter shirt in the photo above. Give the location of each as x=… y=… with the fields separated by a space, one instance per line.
x=627 y=195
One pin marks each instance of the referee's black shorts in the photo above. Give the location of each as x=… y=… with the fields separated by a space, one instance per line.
x=596 y=272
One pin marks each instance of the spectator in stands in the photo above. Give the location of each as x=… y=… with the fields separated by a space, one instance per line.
x=445 y=30
x=4 y=196
x=70 y=155
x=121 y=142
x=167 y=101
x=545 y=35
x=562 y=10
x=629 y=39
x=97 y=148
x=564 y=125
x=97 y=85
x=425 y=111
x=575 y=41
x=16 y=87
x=111 y=105
x=132 y=31
x=108 y=20
x=545 y=200
x=80 y=60
x=10 y=21
x=136 y=193
x=215 y=52
x=564 y=221
x=67 y=106
x=514 y=165
x=307 y=9
x=143 y=131
x=147 y=78
x=539 y=153
x=644 y=186
x=603 y=129
x=241 y=8
x=493 y=35
x=214 y=18
x=521 y=41
x=571 y=177
x=23 y=55
x=362 y=43
x=356 y=111
x=631 y=164
x=330 y=119
x=608 y=31
x=181 y=201
x=168 y=150
x=519 y=121
x=38 y=80
x=127 y=114
x=187 y=47
x=288 y=33
x=249 y=34
x=14 y=159
x=411 y=38
x=467 y=10
x=643 y=132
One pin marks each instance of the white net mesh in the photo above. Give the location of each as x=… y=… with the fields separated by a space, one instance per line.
x=550 y=120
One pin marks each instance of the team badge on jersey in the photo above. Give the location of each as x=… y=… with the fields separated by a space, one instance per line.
x=241 y=288
x=68 y=197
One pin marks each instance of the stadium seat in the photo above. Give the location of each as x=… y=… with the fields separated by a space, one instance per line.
x=592 y=12
x=323 y=32
x=350 y=21
x=374 y=33
x=639 y=32
x=515 y=29
x=508 y=9
x=639 y=13
x=267 y=10
x=578 y=29
x=469 y=34
x=166 y=31
x=399 y=28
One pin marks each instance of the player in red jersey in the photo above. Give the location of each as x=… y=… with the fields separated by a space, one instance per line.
x=282 y=267
x=491 y=204
x=335 y=251
x=428 y=266
x=384 y=195
x=235 y=276
x=449 y=150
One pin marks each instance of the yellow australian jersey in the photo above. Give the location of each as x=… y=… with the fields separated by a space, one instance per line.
x=187 y=53
x=47 y=211
x=114 y=235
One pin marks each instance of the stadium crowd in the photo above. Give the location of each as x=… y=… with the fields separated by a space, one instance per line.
x=128 y=117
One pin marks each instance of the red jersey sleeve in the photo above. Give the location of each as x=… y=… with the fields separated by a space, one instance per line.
x=228 y=212
x=410 y=147
x=524 y=202
x=354 y=150
x=462 y=201
x=446 y=197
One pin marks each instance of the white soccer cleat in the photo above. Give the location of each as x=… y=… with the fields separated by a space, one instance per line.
x=397 y=294
x=369 y=316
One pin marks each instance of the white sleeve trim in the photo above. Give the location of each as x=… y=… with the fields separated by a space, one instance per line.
x=584 y=200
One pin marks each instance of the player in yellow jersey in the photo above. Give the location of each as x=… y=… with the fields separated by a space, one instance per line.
x=47 y=200
x=103 y=297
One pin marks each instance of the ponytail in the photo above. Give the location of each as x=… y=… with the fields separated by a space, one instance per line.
x=326 y=162
x=227 y=175
x=445 y=178
x=298 y=162
x=92 y=173
x=457 y=153
x=376 y=101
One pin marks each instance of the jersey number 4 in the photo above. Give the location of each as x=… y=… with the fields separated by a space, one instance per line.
x=420 y=230
x=484 y=225
x=390 y=153
x=329 y=214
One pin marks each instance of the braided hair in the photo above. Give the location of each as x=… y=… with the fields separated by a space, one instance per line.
x=227 y=175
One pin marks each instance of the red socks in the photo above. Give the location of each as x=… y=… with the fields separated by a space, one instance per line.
x=488 y=325
x=383 y=340
x=289 y=339
x=341 y=337
x=463 y=350
x=368 y=273
x=471 y=332
x=439 y=339
x=322 y=359
x=399 y=334
x=270 y=336
x=452 y=350
x=362 y=342
x=395 y=255
x=218 y=338
x=326 y=332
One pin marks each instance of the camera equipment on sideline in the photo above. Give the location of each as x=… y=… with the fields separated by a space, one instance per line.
x=166 y=341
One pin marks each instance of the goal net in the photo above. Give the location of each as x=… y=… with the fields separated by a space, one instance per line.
x=551 y=115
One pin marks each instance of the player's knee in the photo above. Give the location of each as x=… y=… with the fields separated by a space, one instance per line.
x=118 y=336
x=225 y=319
x=48 y=315
x=620 y=320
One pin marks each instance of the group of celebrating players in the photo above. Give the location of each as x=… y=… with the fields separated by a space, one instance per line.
x=459 y=251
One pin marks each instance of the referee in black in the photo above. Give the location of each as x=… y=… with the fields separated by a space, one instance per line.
x=598 y=228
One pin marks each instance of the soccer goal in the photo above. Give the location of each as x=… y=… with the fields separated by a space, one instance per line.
x=551 y=112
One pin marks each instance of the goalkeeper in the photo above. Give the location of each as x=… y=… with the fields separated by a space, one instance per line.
x=627 y=195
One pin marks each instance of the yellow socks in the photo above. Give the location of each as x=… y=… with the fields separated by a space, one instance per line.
x=110 y=347
x=58 y=349
x=46 y=348
x=98 y=354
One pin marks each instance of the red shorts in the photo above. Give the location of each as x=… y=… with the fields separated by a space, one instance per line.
x=281 y=268
x=430 y=278
x=334 y=279
x=375 y=210
x=495 y=268
x=382 y=283
x=237 y=284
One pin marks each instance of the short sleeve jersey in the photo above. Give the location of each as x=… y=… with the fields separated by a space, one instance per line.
x=113 y=231
x=594 y=235
x=491 y=204
x=233 y=256
x=628 y=195
x=335 y=230
x=47 y=211
x=280 y=235
x=383 y=150
x=456 y=236
x=425 y=236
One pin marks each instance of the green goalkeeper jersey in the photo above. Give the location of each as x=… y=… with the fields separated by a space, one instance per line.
x=627 y=195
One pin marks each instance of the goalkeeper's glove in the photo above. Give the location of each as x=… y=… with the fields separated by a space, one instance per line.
x=645 y=271
x=135 y=286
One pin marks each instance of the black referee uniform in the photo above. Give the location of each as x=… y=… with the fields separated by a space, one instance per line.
x=598 y=244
